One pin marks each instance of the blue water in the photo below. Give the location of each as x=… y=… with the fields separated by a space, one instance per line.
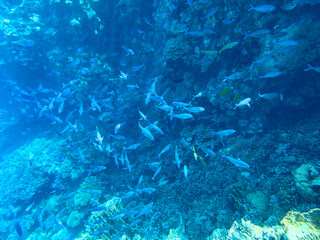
x=137 y=117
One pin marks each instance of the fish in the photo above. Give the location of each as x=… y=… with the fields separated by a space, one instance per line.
x=117 y=136
x=108 y=150
x=159 y=99
x=210 y=13
x=286 y=43
x=195 y=155
x=162 y=183
x=165 y=149
x=156 y=128
x=194 y=34
x=181 y=115
x=144 y=117
x=271 y=96
x=128 y=195
x=206 y=150
x=123 y=75
x=117 y=128
x=237 y=162
x=317 y=69
x=95 y=105
x=153 y=164
x=181 y=104
x=157 y=172
x=61 y=106
x=138 y=67
x=185 y=172
x=257 y=33
x=228 y=46
x=127 y=162
x=133 y=86
x=146 y=132
x=81 y=155
x=194 y=109
x=145 y=210
x=97 y=209
x=271 y=74
x=99 y=138
x=50 y=106
x=115 y=158
x=133 y=146
x=146 y=190
x=200 y=94
x=95 y=192
x=226 y=132
x=261 y=60
x=209 y=52
x=53 y=118
x=18 y=227
x=244 y=102
x=97 y=168
x=97 y=146
x=234 y=76
x=81 y=111
x=265 y=8
x=140 y=180
x=128 y=51
x=186 y=145
x=176 y=157
x=164 y=107
x=122 y=156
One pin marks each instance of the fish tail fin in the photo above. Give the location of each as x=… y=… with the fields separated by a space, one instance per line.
x=258 y=97
x=246 y=35
x=251 y=7
x=309 y=68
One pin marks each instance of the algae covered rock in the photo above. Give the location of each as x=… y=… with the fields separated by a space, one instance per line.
x=176 y=48
x=259 y=200
x=307 y=180
x=74 y=219
x=247 y=230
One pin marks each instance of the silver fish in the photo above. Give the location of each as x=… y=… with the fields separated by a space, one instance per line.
x=237 y=162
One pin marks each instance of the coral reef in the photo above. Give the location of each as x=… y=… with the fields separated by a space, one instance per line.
x=307 y=180
x=294 y=226
x=107 y=222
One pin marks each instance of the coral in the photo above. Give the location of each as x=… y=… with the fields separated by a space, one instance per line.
x=74 y=219
x=218 y=234
x=307 y=180
x=81 y=198
x=247 y=230
x=175 y=234
x=302 y=225
x=108 y=222
x=259 y=200
x=176 y=48
x=294 y=226
x=52 y=204
x=30 y=167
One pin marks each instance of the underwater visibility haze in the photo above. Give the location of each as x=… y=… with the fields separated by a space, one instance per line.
x=159 y=120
